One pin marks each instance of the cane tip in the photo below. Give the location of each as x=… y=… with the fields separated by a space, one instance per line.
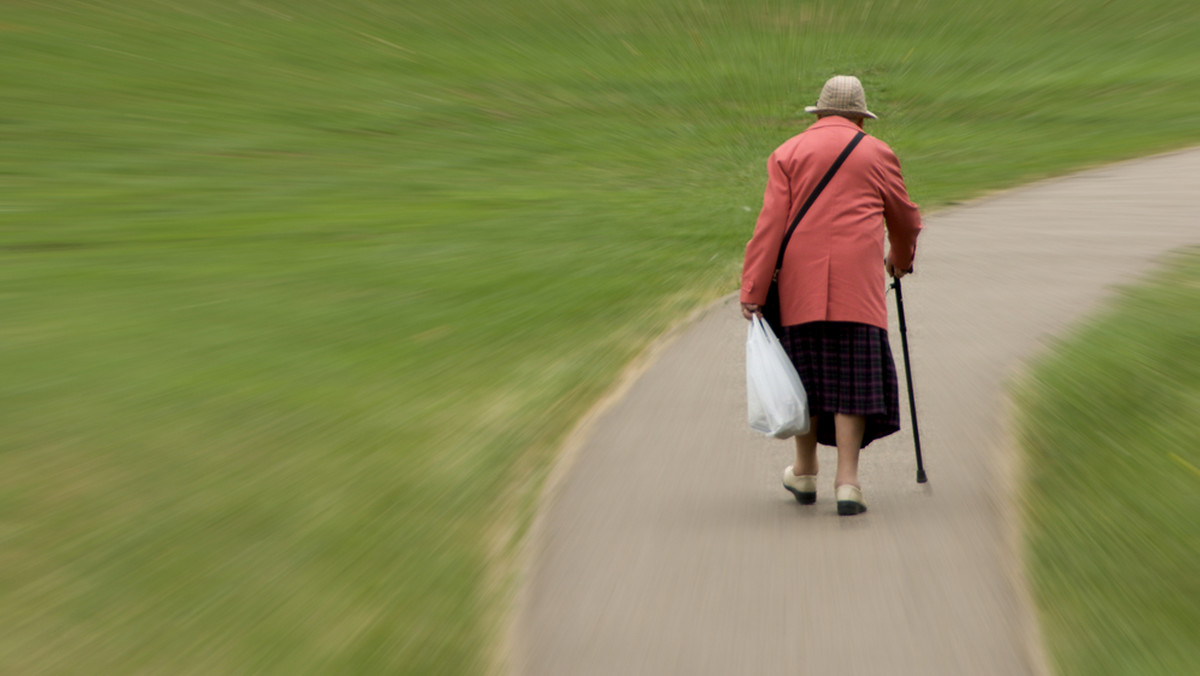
x=921 y=478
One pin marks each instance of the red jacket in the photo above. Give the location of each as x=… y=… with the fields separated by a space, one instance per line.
x=833 y=267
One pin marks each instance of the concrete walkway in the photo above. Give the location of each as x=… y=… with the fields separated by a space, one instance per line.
x=667 y=545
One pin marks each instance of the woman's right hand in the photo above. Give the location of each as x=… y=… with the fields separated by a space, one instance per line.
x=892 y=270
x=749 y=310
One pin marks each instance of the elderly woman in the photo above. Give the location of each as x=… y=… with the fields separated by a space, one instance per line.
x=831 y=284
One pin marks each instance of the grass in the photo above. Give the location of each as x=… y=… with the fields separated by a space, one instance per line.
x=1112 y=443
x=298 y=298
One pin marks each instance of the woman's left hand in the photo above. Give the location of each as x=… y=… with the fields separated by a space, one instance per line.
x=749 y=310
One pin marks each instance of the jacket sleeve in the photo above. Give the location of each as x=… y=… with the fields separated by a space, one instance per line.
x=903 y=219
x=763 y=248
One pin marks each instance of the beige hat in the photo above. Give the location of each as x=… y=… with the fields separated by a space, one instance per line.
x=842 y=94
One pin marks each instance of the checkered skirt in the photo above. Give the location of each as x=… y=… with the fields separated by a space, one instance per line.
x=846 y=367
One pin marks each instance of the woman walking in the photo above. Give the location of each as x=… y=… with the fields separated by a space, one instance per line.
x=831 y=282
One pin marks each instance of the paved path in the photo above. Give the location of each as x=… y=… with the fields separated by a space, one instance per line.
x=668 y=546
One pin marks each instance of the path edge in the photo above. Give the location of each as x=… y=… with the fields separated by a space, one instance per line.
x=511 y=649
x=1013 y=465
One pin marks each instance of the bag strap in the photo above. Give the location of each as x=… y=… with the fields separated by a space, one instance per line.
x=837 y=164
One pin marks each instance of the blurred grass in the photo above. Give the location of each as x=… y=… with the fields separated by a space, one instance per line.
x=1112 y=445
x=298 y=298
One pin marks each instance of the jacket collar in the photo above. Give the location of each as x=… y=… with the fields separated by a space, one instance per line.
x=834 y=121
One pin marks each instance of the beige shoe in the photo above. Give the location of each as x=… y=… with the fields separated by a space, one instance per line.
x=804 y=486
x=850 y=500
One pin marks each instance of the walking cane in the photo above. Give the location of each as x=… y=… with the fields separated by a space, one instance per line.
x=912 y=402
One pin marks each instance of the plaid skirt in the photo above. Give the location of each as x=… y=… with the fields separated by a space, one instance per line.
x=846 y=367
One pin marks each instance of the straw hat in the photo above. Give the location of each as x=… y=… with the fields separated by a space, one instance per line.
x=842 y=95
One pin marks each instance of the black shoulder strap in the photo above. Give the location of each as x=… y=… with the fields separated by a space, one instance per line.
x=837 y=164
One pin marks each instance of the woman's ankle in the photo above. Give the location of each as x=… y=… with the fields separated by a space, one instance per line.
x=799 y=469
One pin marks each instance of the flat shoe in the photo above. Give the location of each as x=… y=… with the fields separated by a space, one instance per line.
x=803 y=486
x=850 y=500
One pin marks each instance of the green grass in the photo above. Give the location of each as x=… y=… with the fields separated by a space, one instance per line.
x=298 y=298
x=1112 y=446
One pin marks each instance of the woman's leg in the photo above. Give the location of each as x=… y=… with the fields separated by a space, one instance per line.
x=806 y=451
x=849 y=431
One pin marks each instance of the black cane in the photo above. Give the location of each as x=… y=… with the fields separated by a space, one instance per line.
x=912 y=402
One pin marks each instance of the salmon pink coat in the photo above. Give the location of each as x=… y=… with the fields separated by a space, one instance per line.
x=833 y=267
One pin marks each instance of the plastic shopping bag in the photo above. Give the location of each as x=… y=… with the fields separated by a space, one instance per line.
x=775 y=399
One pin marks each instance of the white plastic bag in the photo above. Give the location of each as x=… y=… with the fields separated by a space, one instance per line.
x=775 y=399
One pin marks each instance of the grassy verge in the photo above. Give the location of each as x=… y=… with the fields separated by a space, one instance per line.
x=1112 y=439
x=298 y=297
